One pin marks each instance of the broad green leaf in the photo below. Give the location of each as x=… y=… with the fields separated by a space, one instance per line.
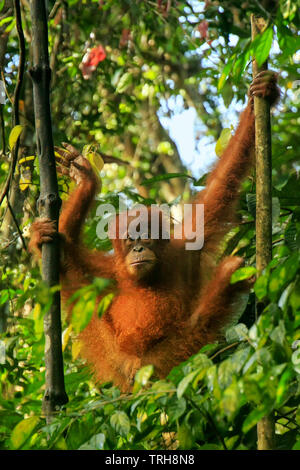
x=282 y=275
x=231 y=399
x=236 y=333
x=290 y=235
x=225 y=373
x=261 y=286
x=176 y=408
x=283 y=387
x=96 y=161
x=184 y=383
x=242 y=273
x=289 y=43
x=278 y=335
x=61 y=444
x=261 y=46
x=240 y=64
x=223 y=141
x=120 y=422
x=124 y=82
x=226 y=72
x=142 y=376
x=95 y=443
x=14 y=135
x=6 y=20
x=23 y=430
x=185 y=436
x=104 y=304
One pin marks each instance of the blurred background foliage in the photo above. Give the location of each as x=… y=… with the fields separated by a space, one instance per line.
x=121 y=73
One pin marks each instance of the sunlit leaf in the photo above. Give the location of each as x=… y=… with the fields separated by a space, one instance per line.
x=96 y=160
x=182 y=386
x=124 y=82
x=283 y=386
x=142 y=376
x=23 y=430
x=261 y=46
x=14 y=135
x=237 y=332
x=242 y=273
x=76 y=348
x=261 y=286
x=282 y=275
x=120 y=422
x=26 y=159
x=104 y=304
x=223 y=141
x=225 y=73
x=65 y=336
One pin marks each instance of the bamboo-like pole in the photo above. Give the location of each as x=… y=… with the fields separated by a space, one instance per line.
x=49 y=205
x=263 y=157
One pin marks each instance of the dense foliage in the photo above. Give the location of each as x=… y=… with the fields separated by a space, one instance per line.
x=118 y=69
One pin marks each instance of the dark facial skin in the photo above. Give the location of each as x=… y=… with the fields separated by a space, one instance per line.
x=140 y=257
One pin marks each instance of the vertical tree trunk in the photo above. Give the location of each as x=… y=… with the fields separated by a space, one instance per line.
x=263 y=155
x=49 y=205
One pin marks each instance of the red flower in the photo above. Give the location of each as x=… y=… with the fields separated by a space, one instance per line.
x=91 y=59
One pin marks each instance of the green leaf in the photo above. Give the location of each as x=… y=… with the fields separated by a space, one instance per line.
x=124 y=82
x=261 y=286
x=223 y=141
x=142 y=376
x=184 y=383
x=95 y=443
x=282 y=275
x=120 y=422
x=23 y=430
x=278 y=335
x=104 y=304
x=283 y=387
x=236 y=333
x=226 y=72
x=14 y=135
x=242 y=273
x=184 y=436
x=8 y=19
x=289 y=43
x=261 y=46
x=176 y=408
